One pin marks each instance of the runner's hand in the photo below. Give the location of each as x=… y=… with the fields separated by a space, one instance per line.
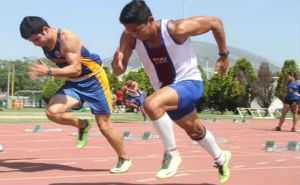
x=37 y=70
x=116 y=64
x=222 y=65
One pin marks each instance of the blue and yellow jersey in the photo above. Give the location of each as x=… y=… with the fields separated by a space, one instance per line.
x=90 y=62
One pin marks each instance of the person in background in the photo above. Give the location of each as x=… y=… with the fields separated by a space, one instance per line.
x=290 y=100
x=135 y=98
x=119 y=100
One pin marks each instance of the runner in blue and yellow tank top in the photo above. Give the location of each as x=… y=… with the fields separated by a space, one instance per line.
x=86 y=82
x=290 y=100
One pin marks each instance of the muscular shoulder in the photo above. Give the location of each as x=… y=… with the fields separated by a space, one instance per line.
x=68 y=35
x=69 y=41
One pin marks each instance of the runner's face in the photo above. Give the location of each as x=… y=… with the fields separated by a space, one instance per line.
x=39 y=40
x=290 y=78
x=129 y=82
x=141 y=32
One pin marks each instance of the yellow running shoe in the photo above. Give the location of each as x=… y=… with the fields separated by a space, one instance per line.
x=169 y=166
x=224 y=172
x=122 y=166
x=82 y=135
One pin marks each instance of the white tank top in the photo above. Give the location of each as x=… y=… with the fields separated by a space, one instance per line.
x=171 y=62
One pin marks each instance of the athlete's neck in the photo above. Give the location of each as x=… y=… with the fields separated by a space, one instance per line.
x=155 y=37
x=52 y=38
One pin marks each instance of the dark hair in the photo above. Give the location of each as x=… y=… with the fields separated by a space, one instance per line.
x=129 y=78
x=292 y=74
x=135 y=12
x=32 y=25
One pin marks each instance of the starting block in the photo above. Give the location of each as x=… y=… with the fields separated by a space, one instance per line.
x=38 y=128
x=237 y=121
x=89 y=133
x=271 y=146
x=217 y=140
x=1 y=148
x=146 y=136
x=213 y=120
x=292 y=145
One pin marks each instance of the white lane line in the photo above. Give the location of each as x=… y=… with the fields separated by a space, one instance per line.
x=34 y=141
x=33 y=150
x=68 y=163
x=153 y=155
x=99 y=160
x=146 y=180
x=279 y=160
x=195 y=151
x=239 y=166
x=142 y=173
x=261 y=163
x=181 y=174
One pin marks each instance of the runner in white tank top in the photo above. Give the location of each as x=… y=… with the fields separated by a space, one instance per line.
x=165 y=49
x=178 y=63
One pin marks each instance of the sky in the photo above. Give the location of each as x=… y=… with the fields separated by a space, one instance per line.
x=269 y=28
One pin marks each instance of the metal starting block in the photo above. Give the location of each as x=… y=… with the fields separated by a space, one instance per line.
x=271 y=146
x=235 y=120
x=212 y=120
x=146 y=136
x=38 y=128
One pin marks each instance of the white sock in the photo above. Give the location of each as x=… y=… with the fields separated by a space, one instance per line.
x=173 y=153
x=164 y=128
x=210 y=145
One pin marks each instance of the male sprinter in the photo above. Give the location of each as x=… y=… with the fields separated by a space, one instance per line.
x=86 y=82
x=166 y=51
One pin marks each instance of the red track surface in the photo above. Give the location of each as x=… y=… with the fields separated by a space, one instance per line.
x=52 y=158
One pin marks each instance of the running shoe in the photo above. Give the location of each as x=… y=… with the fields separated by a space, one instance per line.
x=122 y=166
x=82 y=135
x=277 y=128
x=169 y=166
x=224 y=172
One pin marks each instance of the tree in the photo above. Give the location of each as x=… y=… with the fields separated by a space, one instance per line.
x=203 y=102
x=215 y=91
x=263 y=89
x=21 y=79
x=238 y=84
x=49 y=90
x=288 y=66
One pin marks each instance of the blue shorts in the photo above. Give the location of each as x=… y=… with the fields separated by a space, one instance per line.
x=94 y=91
x=189 y=92
x=137 y=99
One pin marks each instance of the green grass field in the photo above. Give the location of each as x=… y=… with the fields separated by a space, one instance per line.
x=37 y=115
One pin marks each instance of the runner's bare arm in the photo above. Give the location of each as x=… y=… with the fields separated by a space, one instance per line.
x=71 y=50
x=123 y=53
x=184 y=28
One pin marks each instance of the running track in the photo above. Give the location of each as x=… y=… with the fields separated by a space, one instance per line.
x=52 y=158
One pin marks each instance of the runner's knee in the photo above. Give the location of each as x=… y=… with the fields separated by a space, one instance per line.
x=51 y=113
x=150 y=106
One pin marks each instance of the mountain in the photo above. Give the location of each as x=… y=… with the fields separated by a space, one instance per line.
x=207 y=54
